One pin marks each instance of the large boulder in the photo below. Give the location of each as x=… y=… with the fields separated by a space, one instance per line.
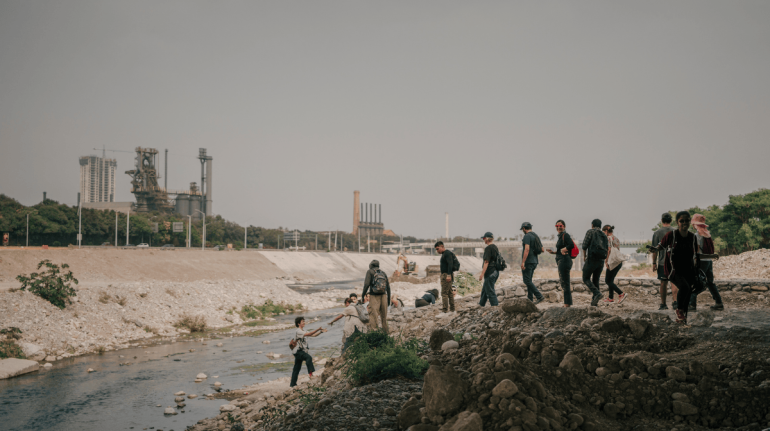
x=571 y=363
x=15 y=367
x=703 y=318
x=613 y=324
x=438 y=338
x=443 y=391
x=409 y=415
x=465 y=421
x=505 y=389
x=638 y=327
x=519 y=305
x=676 y=373
x=684 y=409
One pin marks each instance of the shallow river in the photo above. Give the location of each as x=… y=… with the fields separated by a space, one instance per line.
x=68 y=398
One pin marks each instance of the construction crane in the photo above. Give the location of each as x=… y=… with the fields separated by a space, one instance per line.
x=114 y=151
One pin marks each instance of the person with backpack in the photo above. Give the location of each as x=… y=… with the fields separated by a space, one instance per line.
x=615 y=258
x=705 y=246
x=449 y=264
x=428 y=299
x=300 y=349
x=377 y=285
x=682 y=263
x=531 y=247
x=595 y=246
x=353 y=320
x=493 y=264
x=566 y=250
x=658 y=260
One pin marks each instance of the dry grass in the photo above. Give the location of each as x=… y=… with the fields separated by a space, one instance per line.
x=104 y=297
x=171 y=292
x=151 y=329
x=100 y=350
x=143 y=295
x=121 y=301
x=192 y=323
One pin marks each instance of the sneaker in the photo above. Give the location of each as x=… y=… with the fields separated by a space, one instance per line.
x=596 y=298
x=719 y=306
x=680 y=317
x=692 y=308
x=621 y=297
x=539 y=300
x=609 y=300
x=663 y=307
x=674 y=305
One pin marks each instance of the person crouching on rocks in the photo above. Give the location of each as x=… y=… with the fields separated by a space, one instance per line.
x=300 y=351
x=352 y=322
x=427 y=299
x=682 y=262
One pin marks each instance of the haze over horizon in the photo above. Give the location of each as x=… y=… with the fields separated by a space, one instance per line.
x=497 y=113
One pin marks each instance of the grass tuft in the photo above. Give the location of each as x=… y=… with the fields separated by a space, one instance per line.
x=192 y=323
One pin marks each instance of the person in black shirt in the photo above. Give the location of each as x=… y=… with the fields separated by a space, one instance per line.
x=564 y=246
x=682 y=262
x=593 y=265
x=447 y=276
x=489 y=272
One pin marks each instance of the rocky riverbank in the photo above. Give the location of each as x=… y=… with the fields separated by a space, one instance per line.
x=115 y=316
x=526 y=367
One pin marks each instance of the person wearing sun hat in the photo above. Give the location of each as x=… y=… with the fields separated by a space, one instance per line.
x=489 y=272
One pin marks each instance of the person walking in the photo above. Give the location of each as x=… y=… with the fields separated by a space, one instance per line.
x=682 y=262
x=612 y=271
x=658 y=260
x=531 y=247
x=594 y=253
x=564 y=247
x=705 y=246
x=447 y=262
x=300 y=350
x=489 y=272
x=377 y=285
x=352 y=322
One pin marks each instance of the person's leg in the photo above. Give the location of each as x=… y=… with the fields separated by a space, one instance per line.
x=384 y=312
x=297 y=368
x=374 y=313
x=590 y=269
x=610 y=280
x=491 y=292
x=684 y=292
x=451 y=298
x=708 y=268
x=663 y=286
x=417 y=304
x=446 y=293
x=309 y=362
x=483 y=298
x=527 y=274
x=565 y=265
x=596 y=276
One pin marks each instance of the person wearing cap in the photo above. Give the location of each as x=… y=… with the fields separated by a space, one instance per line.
x=489 y=272
x=530 y=248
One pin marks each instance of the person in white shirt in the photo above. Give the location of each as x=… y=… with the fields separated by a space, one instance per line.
x=300 y=351
x=352 y=321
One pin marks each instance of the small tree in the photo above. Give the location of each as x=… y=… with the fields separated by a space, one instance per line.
x=51 y=284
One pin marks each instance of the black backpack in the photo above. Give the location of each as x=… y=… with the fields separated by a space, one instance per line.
x=379 y=284
x=537 y=246
x=500 y=264
x=455 y=263
x=599 y=245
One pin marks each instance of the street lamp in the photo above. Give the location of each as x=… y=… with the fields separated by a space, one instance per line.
x=203 y=233
x=189 y=232
x=151 y=230
x=28 y=227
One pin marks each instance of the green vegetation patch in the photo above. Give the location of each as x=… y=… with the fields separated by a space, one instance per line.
x=376 y=356
x=269 y=308
x=255 y=369
x=9 y=349
x=51 y=284
x=466 y=283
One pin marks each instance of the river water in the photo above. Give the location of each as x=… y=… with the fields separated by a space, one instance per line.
x=67 y=398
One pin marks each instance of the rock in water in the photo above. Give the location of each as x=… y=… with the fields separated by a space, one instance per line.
x=443 y=391
x=201 y=376
x=519 y=305
x=438 y=338
x=465 y=421
x=179 y=394
x=227 y=408
x=169 y=411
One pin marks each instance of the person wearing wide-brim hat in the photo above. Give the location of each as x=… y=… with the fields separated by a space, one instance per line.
x=489 y=272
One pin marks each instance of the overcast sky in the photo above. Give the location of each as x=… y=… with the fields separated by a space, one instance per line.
x=496 y=112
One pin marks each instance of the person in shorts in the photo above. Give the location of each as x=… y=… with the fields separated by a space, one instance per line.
x=659 y=258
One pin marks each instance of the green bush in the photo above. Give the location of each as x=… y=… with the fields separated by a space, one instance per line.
x=466 y=283
x=51 y=285
x=375 y=356
x=269 y=308
x=9 y=349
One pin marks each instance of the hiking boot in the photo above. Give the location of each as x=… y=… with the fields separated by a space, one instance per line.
x=609 y=300
x=539 y=300
x=596 y=298
x=663 y=307
x=621 y=297
x=680 y=317
x=719 y=306
x=674 y=305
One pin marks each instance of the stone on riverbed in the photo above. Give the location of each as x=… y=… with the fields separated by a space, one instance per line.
x=201 y=376
x=179 y=394
x=169 y=411
x=15 y=367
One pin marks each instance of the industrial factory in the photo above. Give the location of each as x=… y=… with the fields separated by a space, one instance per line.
x=367 y=218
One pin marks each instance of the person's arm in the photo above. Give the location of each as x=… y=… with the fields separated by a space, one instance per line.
x=483 y=270
x=586 y=243
x=336 y=319
x=367 y=282
x=609 y=251
x=387 y=285
x=315 y=333
x=568 y=244
x=524 y=256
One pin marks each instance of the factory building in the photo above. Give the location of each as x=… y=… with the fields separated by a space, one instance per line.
x=367 y=218
x=97 y=179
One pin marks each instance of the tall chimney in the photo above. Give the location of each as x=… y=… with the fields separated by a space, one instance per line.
x=356 y=212
x=165 y=171
x=44 y=197
x=380 y=216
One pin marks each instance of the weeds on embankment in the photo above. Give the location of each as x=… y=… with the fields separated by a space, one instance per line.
x=192 y=323
x=8 y=346
x=251 y=311
x=376 y=356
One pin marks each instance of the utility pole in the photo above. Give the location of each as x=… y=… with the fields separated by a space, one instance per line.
x=128 y=225
x=116 y=229
x=296 y=235
x=359 y=241
x=203 y=232
x=189 y=231
x=368 y=246
x=329 y=243
x=335 y=240
x=316 y=243
x=245 y=236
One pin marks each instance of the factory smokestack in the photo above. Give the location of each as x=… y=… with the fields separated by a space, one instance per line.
x=357 y=207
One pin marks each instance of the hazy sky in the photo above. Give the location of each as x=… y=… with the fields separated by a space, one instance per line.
x=497 y=112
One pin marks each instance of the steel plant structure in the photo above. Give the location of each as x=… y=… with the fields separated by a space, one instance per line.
x=144 y=181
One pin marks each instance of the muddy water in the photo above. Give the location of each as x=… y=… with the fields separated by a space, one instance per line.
x=68 y=398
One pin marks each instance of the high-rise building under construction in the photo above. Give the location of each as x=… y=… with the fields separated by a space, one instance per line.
x=97 y=179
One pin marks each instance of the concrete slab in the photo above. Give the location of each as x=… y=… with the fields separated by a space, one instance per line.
x=15 y=367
